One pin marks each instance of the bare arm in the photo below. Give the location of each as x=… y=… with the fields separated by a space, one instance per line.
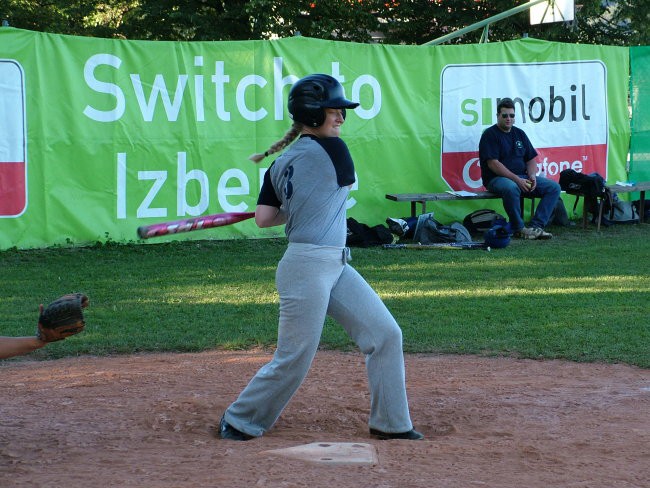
x=268 y=216
x=17 y=346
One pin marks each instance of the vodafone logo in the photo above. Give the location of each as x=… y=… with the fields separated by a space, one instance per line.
x=472 y=174
x=562 y=106
x=471 y=169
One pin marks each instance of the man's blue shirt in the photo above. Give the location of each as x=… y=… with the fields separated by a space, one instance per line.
x=513 y=149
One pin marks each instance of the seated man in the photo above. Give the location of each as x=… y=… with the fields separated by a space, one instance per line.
x=509 y=168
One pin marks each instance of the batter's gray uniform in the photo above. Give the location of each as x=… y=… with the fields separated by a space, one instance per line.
x=310 y=181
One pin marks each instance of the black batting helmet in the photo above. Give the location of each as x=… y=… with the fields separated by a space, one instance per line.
x=310 y=95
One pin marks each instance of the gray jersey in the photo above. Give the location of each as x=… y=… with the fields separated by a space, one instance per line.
x=310 y=182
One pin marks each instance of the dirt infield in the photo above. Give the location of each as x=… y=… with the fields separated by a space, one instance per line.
x=148 y=421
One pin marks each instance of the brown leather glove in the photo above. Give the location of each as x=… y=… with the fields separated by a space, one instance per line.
x=62 y=318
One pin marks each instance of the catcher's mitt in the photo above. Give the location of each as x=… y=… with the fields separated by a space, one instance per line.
x=62 y=318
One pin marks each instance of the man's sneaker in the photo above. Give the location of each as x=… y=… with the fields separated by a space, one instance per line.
x=227 y=431
x=533 y=233
x=397 y=226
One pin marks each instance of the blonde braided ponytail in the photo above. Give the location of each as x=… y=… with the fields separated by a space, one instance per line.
x=290 y=135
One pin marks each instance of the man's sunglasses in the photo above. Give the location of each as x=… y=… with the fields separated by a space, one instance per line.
x=505 y=116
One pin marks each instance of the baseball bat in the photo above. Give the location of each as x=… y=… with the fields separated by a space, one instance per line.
x=192 y=224
x=441 y=245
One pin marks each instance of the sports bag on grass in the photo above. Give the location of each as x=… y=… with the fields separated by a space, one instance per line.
x=620 y=212
x=430 y=231
x=646 y=209
x=480 y=221
x=559 y=216
x=362 y=235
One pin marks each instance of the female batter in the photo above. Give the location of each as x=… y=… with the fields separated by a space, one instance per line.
x=306 y=188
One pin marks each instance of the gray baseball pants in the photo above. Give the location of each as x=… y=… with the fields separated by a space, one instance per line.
x=315 y=281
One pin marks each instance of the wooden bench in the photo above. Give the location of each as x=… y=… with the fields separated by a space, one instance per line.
x=423 y=198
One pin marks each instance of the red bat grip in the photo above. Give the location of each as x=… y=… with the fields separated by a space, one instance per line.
x=195 y=223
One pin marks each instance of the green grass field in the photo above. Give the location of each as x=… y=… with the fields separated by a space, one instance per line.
x=583 y=296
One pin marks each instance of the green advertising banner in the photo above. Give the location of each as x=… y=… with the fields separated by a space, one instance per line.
x=99 y=137
x=640 y=100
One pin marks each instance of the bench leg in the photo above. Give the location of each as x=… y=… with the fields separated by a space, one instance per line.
x=601 y=204
x=642 y=206
x=414 y=207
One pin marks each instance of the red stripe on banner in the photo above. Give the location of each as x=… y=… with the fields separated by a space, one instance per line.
x=461 y=170
x=13 y=195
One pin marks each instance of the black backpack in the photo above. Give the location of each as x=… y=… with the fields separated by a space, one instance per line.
x=480 y=221
x=591 y=186
x=575 y=183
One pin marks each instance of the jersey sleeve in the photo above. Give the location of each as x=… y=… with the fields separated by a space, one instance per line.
x=267 y=194
x=338 y=152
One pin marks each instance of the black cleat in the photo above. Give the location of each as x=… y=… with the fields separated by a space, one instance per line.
x=411 y=435
x=227 y=431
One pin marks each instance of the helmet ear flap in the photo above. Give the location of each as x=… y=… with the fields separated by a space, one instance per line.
x=303 y=109
x=317 y=117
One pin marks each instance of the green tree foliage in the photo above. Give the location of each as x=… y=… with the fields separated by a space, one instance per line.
x=622 y=22
x=185 y=20
x=188 y=20
x=75 y=17
x=347 y=20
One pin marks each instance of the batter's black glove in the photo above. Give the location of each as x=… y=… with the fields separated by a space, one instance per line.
x=62 y=318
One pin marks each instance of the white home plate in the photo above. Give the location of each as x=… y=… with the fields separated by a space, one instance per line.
x=330 y=453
